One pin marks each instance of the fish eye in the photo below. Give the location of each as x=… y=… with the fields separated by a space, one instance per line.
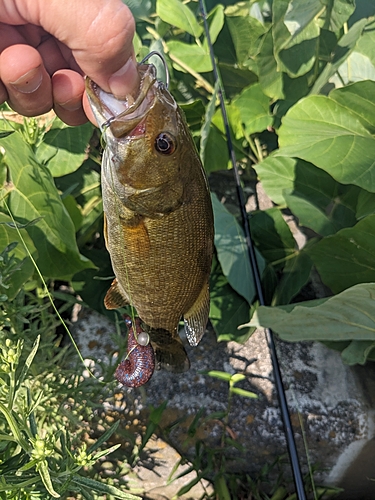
x=165 y=143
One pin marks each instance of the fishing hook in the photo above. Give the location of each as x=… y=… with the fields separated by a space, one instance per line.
x=108 y=122
x=160 y=55
x=284 y=410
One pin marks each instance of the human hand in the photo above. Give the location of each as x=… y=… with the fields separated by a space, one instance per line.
x=46 y=46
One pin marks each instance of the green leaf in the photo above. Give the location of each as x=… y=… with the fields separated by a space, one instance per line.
x=359 y=100
x=342 y=317
x=245 y=31
x=300 y=14
x=254 y=109
x=64 y=148
x=6 y=133
x=357 y=352
x=298 y=55
x=342 y=51
x=26 y=269
x=296 y=274
x=237 y=377
x=272 y=235
x=34 y=195
x=220 y=375
x=339 y=12
x=215 y=151
x=215 y=21
x=319 y=130
x=232 y=251
x=204 y=132
x=311 y=216
x=103 y=438
x=192 y=56
x=46 y=478
x=355 y=68
x=366 y=204
x=347 y=257
x=177 y=14
x=270 y=78
x=194 y=112
x=228 y=309
x=27 y=363
x=102 y=488
x=243 y=392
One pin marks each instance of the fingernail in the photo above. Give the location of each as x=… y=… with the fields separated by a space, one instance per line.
x=72 y=104
x=125 y=81
x=30 y=82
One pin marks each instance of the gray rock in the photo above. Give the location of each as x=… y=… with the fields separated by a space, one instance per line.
x=333 y=416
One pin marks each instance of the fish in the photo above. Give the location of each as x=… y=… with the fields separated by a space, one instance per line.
x=158 y=218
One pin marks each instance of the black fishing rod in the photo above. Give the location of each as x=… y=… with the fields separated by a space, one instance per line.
x=284 y=410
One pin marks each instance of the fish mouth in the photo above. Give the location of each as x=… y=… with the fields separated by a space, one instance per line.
x=123 y=116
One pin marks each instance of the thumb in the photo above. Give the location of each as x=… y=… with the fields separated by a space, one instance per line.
x=99 y=34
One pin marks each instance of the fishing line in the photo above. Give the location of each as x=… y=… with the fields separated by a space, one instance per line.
x=284 y=410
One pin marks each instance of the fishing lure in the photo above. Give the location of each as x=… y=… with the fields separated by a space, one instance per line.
x=139 y=364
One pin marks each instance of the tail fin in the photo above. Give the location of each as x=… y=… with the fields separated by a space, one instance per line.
x=169 y=351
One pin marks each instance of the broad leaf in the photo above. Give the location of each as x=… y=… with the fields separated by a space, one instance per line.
x=270 y=78
x=323 y=221
x=9 y=234
x=366 y=204
x=64 y=148
x=185 y=56
x=232 y=252
x=245 y=31
x=282 y=174
x=300 y=14
x=35 y=195
x=319 y=130
x=347 y=257
x=359 y=100
x=342 y=317
x=272 y=235
x=253 y=106
x=342 y=51
x=296 y=274
x=176 y=13
x=228 y=309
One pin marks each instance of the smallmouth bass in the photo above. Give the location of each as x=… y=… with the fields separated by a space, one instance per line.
x=158 y=220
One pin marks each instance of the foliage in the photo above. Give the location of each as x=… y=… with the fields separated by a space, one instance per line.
x=300 y=98
x=42 y=451
x=299 y=83
x=213 y=463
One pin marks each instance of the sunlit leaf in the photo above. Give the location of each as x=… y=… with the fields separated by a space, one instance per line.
x=64 y=148
x=345 y=316
x=35 y=196
x=319 y=130
x=176 y=13
x=347 y=257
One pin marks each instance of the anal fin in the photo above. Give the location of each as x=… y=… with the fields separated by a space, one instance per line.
x=115 y=297
x=196 y=317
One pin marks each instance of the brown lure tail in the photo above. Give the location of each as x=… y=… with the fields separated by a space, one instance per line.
x=138 y=366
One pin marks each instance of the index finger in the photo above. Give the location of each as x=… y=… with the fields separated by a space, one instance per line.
x=99 y=34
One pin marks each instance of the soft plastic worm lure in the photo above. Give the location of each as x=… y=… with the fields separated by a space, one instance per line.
x=138 y=366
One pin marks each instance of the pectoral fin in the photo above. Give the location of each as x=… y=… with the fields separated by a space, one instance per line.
x=115 y=297
x=196 y=318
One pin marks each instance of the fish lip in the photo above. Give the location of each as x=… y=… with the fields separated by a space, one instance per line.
x=107 y=108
